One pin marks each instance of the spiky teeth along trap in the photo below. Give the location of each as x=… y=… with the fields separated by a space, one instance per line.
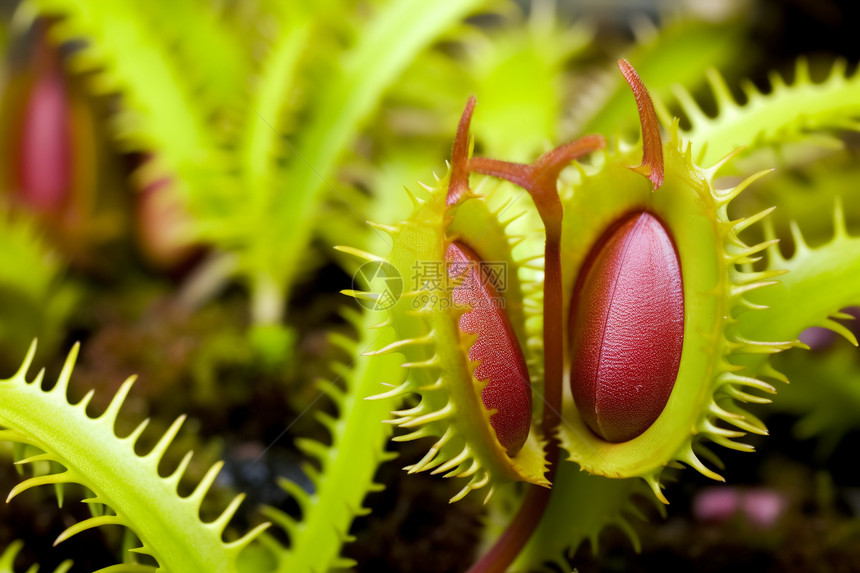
x=642 y=275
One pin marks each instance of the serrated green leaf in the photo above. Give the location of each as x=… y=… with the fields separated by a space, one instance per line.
x=168 y=525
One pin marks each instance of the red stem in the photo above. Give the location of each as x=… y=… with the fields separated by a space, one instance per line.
x=515 y=537
x=540 y=179
x=553 y=333
x=519 y=530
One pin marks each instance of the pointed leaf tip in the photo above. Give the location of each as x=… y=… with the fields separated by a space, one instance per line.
x=652 y=145
x=459 y=184
x=28 y=360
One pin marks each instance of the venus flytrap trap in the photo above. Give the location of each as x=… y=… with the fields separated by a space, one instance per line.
x=436 y=351
x=51 y=149
x=45 y=137
x=693 y=214
x=662 y=225
x=616 y=404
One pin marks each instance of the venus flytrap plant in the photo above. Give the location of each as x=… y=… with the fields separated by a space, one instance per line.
x=530 y=376
x=690 y=259
x=455 y=394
